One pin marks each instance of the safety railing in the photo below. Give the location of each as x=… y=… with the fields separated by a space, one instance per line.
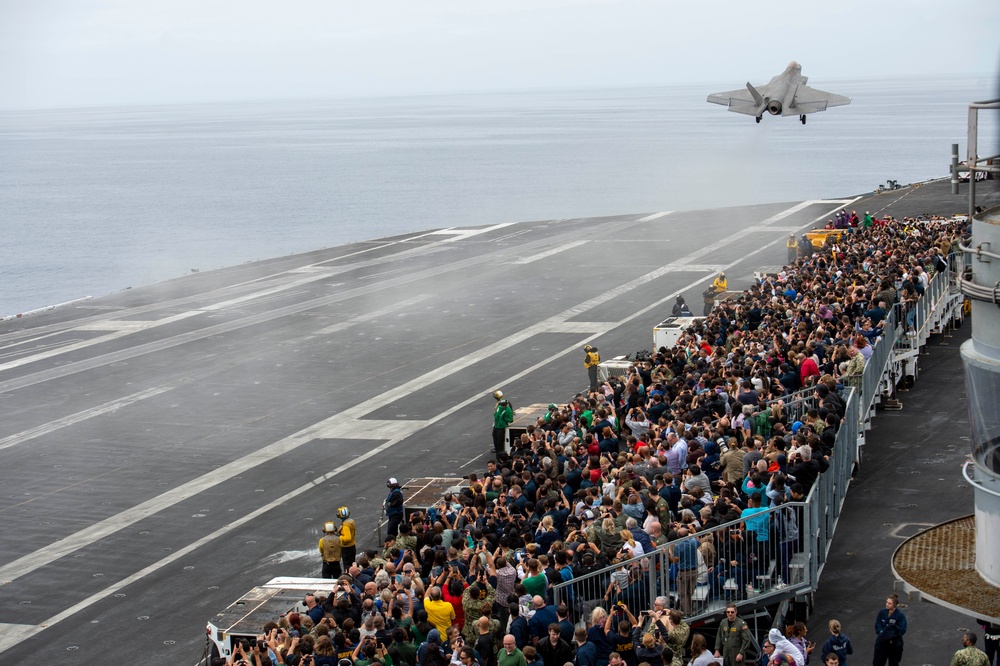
x=797 y=404
x=750 y=561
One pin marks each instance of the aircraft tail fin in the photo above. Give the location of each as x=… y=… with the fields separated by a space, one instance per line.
x=757 y=97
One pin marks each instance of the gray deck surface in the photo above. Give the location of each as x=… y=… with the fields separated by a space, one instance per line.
x=165 y=449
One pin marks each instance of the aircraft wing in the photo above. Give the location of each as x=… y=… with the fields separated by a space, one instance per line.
x=810 y=100
x=740 y=101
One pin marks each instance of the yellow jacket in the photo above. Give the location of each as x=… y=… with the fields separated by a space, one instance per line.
x=593 y=358
x=720 y=284
x=348 y=531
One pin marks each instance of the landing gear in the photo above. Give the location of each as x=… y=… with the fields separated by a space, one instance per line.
x=758 y=119
x=803 y=118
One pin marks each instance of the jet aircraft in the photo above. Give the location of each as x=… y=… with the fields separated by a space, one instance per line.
x=785 y=95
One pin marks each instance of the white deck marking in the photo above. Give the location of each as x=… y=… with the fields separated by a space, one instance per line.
x=349 y=419
x=15 y=634
x=359 y=319
x=58 y=424
x=457 y=234
x=119 y=329
x=562 y=326
x=549 y=253
x=789 y=211
x=654 y=216
x=708 y=268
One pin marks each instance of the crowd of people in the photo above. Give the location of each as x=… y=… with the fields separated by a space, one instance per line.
x=692 y=437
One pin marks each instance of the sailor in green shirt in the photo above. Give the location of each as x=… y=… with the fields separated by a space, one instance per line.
x=534 y=583
x=509 y=655
x=503 y=416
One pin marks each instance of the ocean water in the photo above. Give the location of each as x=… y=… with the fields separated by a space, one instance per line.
x=96 y=200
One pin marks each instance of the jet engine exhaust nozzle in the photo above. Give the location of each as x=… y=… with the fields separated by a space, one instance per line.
x=774 y=107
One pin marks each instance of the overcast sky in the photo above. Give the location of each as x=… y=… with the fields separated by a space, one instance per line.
x=57 y=53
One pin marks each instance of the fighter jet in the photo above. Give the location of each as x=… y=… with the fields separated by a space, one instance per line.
x=785 y=95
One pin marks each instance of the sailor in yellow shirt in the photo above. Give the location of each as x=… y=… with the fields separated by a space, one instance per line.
x=591 y=361
x=440 y=613
x=330 y=550
x=348 y=538
x=792 y=246
x=718 y=286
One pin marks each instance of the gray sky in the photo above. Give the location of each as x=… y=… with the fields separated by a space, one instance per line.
x=96 y=52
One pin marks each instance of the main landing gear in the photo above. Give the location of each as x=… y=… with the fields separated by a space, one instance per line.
x=758 y=119
x=803 y=118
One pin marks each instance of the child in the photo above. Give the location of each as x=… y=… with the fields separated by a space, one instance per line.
x=837 y=643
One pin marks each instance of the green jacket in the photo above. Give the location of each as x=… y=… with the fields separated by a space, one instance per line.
x=503 y=416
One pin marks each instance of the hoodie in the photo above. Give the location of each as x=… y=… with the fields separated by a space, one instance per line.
x=782 y=647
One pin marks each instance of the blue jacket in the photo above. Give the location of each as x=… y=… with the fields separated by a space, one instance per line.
x=890 y=627
x=838 y=645
x=394 y=502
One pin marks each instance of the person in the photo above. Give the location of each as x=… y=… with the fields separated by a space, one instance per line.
x=393 y=507
x=675 y=632
x=348 y=538
x=509 y=655
x=403 y=652
x=796 y=634
x=838 y=644
x=720 y=284
x=681 y=308
x=700 y=656
x=792 y=246
x=685 y=555
x=784 y=652
x=591 y=361
x=553 y=649
x=646 y=650
x=890 y=625
x=805 y=247
x=503 y=416
x=440 y=613
x=991 y=639
x=330 y=550
x=733 y=640
x=586 y=652
x=969 y=655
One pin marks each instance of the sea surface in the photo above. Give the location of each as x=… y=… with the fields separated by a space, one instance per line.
x=95 y=200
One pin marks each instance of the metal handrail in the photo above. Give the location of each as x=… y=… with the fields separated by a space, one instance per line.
x=818 y=513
